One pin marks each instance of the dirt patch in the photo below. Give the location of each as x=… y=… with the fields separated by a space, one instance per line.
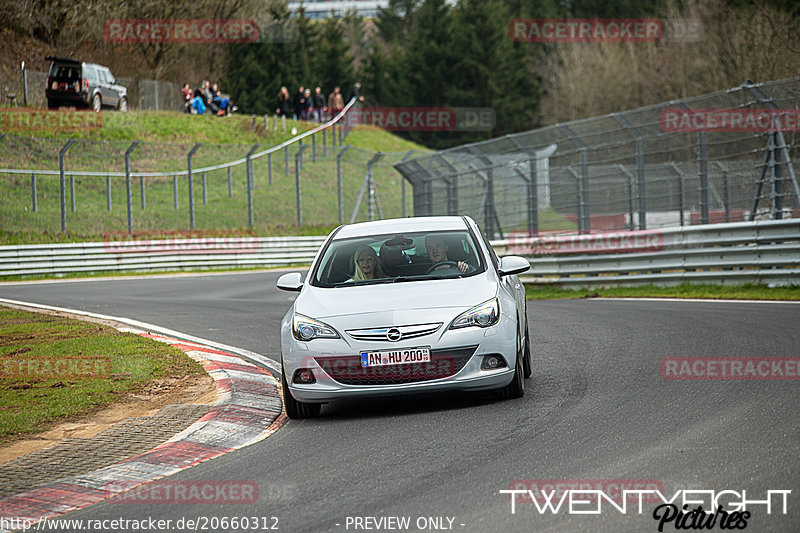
x=194 y=389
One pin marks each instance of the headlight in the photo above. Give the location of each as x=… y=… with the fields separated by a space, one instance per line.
x=483 y=315
x=306 y=329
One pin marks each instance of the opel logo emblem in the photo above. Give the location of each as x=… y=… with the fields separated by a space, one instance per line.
x=394 y=334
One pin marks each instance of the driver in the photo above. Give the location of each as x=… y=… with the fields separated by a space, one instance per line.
x=437 y=251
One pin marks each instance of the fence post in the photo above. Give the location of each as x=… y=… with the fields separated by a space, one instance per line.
x=230 y=184
x=640 y=179
x=403 y=183
x=339 y=179
x=253 y=125
x=333 y=136
x=33 y=192
x=777 y=185
x=175 y=190
x=680 y=197
x=191 y=184
x=72 y=192
x=61 y=155
x=300 y=153
x=155 y=98
x=108 y=193
x=128 y=183
x=249 y=166
x=297 y=159
x=533 y=201
x=266 y=123
x=488 y=210
x=703 y=164
x=584 y=192
x=141 y=187
x=372 y=196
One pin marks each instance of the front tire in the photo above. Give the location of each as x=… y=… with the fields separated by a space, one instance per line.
x=122 y=106
x=515 y=389
x=97 y=103
x=526 y=355
x=294 y=409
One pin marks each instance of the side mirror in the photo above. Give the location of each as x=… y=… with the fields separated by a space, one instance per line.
x=513 y=264
x=292 y=281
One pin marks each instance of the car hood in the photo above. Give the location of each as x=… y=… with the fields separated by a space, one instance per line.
x=464 y=293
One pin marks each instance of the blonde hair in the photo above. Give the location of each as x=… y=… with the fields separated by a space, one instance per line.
x=377 y=272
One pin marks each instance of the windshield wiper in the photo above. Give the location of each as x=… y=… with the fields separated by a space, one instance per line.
x=400 y=279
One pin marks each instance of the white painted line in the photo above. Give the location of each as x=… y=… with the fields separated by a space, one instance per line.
x=697 y=300
x=247 y=354
x=172 y=275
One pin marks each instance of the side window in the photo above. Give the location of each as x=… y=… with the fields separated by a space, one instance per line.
x=91 y=74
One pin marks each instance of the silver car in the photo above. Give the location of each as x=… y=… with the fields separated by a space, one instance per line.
x=404 y=306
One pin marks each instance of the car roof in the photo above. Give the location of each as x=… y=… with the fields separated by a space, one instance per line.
x=63 y=59
x=404 y=225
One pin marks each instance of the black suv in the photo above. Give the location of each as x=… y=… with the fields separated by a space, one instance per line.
x=73 y=83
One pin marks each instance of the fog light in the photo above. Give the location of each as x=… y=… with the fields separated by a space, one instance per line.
x=304 y=375
x=492 y=361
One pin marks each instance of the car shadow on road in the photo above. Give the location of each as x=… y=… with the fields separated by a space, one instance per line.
x=405 y=405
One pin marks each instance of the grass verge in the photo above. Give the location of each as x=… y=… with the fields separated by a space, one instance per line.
x=711 y=292
x=219 y=205
x=36 y=389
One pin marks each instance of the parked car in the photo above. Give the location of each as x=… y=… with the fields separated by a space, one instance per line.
x=404 y=306
x=74 y=83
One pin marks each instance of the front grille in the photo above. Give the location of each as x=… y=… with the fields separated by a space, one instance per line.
x=406 y=332
x=444 y=363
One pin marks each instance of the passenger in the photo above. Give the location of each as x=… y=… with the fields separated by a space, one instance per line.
x=367 y=265
x=437 y=252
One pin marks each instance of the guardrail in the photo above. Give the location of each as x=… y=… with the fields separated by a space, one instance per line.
x=715 y=253
x=155 y=255
x=761 y=252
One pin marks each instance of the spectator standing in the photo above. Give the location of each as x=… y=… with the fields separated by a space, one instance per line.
x=319 y=106
x=283 y=102
x=309 y=108
x=299 y=103
x=335 y=101
x=354 y=92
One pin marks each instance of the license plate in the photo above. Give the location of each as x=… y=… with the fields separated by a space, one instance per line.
x=396 y=357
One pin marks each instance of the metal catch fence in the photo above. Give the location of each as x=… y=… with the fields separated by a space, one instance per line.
x=637 y=169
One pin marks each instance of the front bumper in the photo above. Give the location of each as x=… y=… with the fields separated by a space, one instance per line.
x=467 y=375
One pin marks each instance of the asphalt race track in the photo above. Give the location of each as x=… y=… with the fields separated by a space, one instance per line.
x=597 y=408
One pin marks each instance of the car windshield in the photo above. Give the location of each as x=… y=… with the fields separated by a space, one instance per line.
x=398 y=258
